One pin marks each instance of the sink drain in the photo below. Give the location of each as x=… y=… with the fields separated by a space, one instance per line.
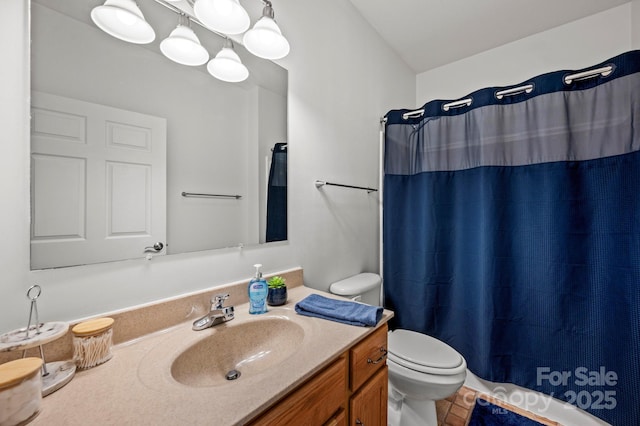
x=232 y=375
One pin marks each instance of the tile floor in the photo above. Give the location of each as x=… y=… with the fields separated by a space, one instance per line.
x=456 y=409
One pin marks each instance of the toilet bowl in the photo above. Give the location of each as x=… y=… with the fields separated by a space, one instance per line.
x=422 y=369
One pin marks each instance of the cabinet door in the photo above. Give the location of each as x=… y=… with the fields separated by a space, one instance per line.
x=314 y=403
x=369 y=404
x=339 y=419
x=367 y=357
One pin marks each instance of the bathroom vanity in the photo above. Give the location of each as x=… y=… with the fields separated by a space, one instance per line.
x=351 y=390
x=294 y=370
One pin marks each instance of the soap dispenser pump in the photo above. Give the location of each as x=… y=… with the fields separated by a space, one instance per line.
x=258 y=292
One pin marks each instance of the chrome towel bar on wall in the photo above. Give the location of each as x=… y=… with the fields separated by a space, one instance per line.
x=195 y=194
x=320 y=183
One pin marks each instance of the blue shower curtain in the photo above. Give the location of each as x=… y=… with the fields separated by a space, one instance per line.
x=512 y=232
x=277 y=195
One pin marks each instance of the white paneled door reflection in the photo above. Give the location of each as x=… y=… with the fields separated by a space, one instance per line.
x=98 y=182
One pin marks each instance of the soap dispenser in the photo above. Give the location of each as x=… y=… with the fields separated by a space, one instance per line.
x=258 y=292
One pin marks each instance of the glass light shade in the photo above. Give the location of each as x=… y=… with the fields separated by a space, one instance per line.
x=266 y=40
x=226 y=66
x=183 y=46
x=123 y=19
x=223 y=16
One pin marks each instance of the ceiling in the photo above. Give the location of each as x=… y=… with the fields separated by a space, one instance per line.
x=431 y=33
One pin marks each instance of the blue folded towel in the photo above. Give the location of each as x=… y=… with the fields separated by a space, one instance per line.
x=343 y=311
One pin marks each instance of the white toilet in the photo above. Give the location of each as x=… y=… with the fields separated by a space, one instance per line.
x=422 y=369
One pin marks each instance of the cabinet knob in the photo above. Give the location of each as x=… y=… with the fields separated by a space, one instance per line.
x=384 y=354
x=358 y=422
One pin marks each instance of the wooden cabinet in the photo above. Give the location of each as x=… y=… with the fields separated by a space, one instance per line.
x=314 y=402
x=352 y=390
x=368 y=380
x=339 y=419
x=368 y=406
x=367 y=357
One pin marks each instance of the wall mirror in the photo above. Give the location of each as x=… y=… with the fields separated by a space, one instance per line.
x=119 y=133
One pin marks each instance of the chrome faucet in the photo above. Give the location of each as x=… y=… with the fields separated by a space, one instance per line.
x=217 y=315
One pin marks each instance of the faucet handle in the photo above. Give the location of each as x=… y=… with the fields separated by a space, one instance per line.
x=218 y=300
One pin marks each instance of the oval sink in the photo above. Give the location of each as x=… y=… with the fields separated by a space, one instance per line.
x=251 y=348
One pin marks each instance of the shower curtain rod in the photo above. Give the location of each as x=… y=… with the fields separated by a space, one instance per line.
x=527 y=88
x=446 y=107
x=320 y=183
x=604 y=72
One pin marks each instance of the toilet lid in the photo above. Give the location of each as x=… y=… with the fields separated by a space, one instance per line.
x=422 y=350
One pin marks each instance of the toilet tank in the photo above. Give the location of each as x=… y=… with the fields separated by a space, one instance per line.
x=364 y=287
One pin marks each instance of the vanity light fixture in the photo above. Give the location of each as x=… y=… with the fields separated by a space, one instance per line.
x=226 y=66
x=124 y=20
x=183 y=46
x=265 y=39
x=223 y=16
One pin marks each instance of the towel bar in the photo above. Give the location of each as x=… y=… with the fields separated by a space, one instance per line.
x=195 y=194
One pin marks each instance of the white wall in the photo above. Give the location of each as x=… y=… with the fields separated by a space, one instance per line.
x=14 y=165
x=635 y=24
x=578 y=44
x=341 y=81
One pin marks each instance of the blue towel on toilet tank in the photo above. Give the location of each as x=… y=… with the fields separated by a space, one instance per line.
x=344 y=311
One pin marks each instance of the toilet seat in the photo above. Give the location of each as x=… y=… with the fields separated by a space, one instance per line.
x=423 y=353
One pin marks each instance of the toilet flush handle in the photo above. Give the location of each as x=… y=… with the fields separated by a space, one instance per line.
x=384 y=354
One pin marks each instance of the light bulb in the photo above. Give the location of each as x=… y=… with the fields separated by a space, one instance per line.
x=124 y=20
x=183 y=46
x=265 y=39
x=226 y=66
x=223 y=7
x=125 y=17
x=223 y=16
